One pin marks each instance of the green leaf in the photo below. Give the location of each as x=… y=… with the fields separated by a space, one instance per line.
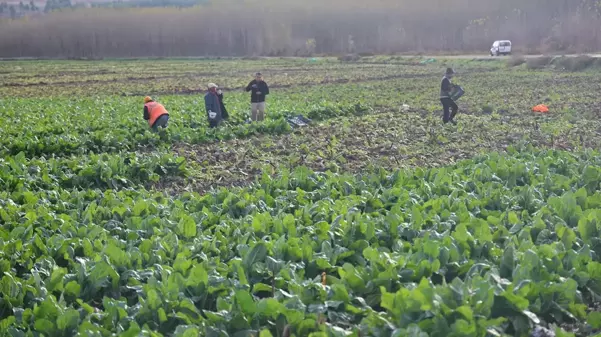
x=508 y=262
x=153 y=299
x=116 y=255
x=256 y=254
x=162 y=315
x=587 y=225
x=513 y=219
x=133 y=331
x=274 y=265
x=101 y=272
x=461 y=234
x=47 y=309
x=269 y=307
x=198 y=275
x=12 y=332
x=241 y=274
x=416 y=217
x=56 y=279
x=245 y=301
x=72 y=288
x=44 y=326
x=559 y=332
x=265 y=333
x=594 y=319
x=187 y=226
x=466 y=312
x=7 y=322
x=139 y=208
x=68 y=320
x=532 y=316
x=186 y=331
x=259 y=287
x=88 y=308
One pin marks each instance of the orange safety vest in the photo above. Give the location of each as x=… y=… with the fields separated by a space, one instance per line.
x=155 y=110
x=540 y=108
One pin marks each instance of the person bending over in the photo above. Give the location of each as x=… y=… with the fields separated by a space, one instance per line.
x=155 y=113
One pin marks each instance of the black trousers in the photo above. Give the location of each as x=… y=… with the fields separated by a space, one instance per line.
x=449 y=109
x=160 y=122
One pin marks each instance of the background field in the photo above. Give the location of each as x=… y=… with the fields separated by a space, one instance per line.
x=376 y=220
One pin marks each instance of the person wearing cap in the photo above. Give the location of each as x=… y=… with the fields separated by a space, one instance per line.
x=448 y=105
x=213 y=106
x=259 y=90
x=155 y=113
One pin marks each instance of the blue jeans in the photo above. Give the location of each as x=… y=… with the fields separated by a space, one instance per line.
x=161 y=121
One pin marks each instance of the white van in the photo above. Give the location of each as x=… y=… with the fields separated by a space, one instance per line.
x=501 y=47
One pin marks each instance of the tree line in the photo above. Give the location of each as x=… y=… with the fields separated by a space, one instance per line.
x=285 y=28
x=14 y=11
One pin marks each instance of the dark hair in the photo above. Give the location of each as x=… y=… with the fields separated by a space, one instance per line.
x=450 y=71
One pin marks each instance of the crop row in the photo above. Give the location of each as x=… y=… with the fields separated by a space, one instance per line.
x=127 y=79
x=111 y=124
x=105 y=171
x=346 y=144
x=494 y=245
x=114 y=124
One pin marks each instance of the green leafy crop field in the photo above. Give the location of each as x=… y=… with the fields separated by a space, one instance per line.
x=375 y=220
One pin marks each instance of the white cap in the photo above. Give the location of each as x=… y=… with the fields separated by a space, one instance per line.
x=212 y=85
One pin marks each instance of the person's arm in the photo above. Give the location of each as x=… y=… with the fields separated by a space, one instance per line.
x=266 y=92
x=146 y=113
x=249 y=86
x=207 y=104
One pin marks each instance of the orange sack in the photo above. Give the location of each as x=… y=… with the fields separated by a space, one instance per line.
x=540 y=108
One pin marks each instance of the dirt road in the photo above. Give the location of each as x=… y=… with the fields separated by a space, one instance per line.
x=483 y=56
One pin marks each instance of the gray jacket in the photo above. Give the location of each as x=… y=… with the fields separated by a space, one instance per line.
x=446 y=87
x=212 y=105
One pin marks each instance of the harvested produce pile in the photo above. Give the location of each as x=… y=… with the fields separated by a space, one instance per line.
x=108 y=229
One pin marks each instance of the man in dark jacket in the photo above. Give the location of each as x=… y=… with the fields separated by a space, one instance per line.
x=224 y=114
x=449 y=106
x=259 y=90
x=212 y=106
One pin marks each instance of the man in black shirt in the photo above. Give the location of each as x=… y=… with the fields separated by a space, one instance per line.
x=259 y=90
x=449 y=106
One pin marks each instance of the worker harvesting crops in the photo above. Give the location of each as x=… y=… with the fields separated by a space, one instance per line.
x=155 y=113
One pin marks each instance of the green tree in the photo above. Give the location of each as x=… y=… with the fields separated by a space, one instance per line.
x=57 y=4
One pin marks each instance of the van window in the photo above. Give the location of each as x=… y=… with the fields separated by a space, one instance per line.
x=496 y=44
x=505 y=44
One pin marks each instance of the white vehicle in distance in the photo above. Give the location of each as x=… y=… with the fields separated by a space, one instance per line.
x=501 y=47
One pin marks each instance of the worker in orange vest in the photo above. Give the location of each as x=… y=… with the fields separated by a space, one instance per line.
x=155 y=113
